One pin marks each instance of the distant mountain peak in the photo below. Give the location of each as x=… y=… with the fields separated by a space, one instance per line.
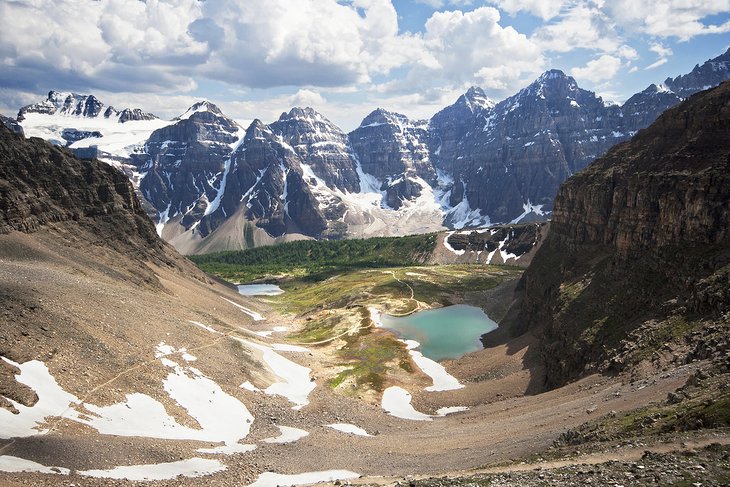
x=381 y=116
x=475 y=98
x=201 y=106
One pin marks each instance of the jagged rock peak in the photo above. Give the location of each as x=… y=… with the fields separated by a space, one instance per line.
x=88 y=106
x=306 y=113
x=475 y=98
x=380 y=116
x=555 y=79
x=257 y=129
x=131 y=114
x=65 y=104
x=711 y=73
x=201 y=106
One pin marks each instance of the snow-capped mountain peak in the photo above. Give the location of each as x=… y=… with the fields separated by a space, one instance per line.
x=198 y=107
x=475 y=99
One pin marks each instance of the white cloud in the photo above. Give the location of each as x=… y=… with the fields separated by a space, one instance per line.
x=307 y=98
x=438 y=4
x=473 y=46
x=545 y=9
x=597 y=70
x=658 y=63
x=669 y=18
x=663 y=53
x=580 y=26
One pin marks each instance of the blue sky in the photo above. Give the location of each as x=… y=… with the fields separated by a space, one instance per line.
x=257 y=58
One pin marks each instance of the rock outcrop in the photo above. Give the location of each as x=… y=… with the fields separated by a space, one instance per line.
x=42 y=185
x=640 y=236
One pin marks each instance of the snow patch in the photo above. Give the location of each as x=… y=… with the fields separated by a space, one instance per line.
x=349 y=428
x=296 y=383
x=13 y=464
x=288 y=435
x=397 y=402
x=271 y=479
x=442 y=380
x=253 y=314
x=192 y=467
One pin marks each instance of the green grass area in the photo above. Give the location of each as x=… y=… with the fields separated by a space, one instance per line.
x=318 y=260
x=329 y=286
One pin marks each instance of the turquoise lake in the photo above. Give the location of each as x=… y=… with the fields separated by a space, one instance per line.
x=448 y=332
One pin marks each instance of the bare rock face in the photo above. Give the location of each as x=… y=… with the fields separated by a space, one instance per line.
x=185 y=162
x=709 y=74
x=395 y=150
x=266 y=180
x=642 y=234
x=321 y=145
x=526 y=145
x=13 y=125
x=43 y=185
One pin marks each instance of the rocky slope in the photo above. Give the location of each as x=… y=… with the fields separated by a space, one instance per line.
x=638 y=246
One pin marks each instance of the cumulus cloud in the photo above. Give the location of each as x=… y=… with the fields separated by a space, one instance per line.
x=682 y=19
x=545 y=9
x=81 y=44
x=473 y=46
x=597 y=70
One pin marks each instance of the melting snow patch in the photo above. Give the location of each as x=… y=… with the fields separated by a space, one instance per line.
x=249 y=387
x=288 y=435
x=449 y=247
x=227 y=449
x=52 y=401
x=271 y=479
x=442 y=380
x=296 y=384
x=14 y=464
x=192 y=467
x=256 y=316
x=375 y=317
x=397 y=402
x=349 y=428
x=205 y=327
x=450 y=410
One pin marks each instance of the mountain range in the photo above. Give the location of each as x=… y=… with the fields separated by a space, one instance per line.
x=213 y=185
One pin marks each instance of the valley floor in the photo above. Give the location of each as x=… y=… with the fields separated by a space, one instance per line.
x=215 y=351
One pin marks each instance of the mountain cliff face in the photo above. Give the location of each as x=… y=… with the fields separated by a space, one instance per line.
x=184 y=164
x=473 y=164
x=394 y=150
x=639 y=239
x=41 y=185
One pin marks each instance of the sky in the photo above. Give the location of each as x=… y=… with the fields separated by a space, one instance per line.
x=258 y=58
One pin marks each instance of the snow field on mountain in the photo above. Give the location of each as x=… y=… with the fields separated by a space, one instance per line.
x=118 y=139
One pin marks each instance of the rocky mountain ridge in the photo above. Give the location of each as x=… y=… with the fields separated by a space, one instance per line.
x=474 y=163
x=88 y=106
x=638 y=246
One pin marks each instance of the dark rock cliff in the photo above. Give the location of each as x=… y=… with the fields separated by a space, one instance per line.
x=42 y=185
x=640 y=236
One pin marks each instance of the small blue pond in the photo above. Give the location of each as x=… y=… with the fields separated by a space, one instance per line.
x=448 y=332
x=259 y=289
